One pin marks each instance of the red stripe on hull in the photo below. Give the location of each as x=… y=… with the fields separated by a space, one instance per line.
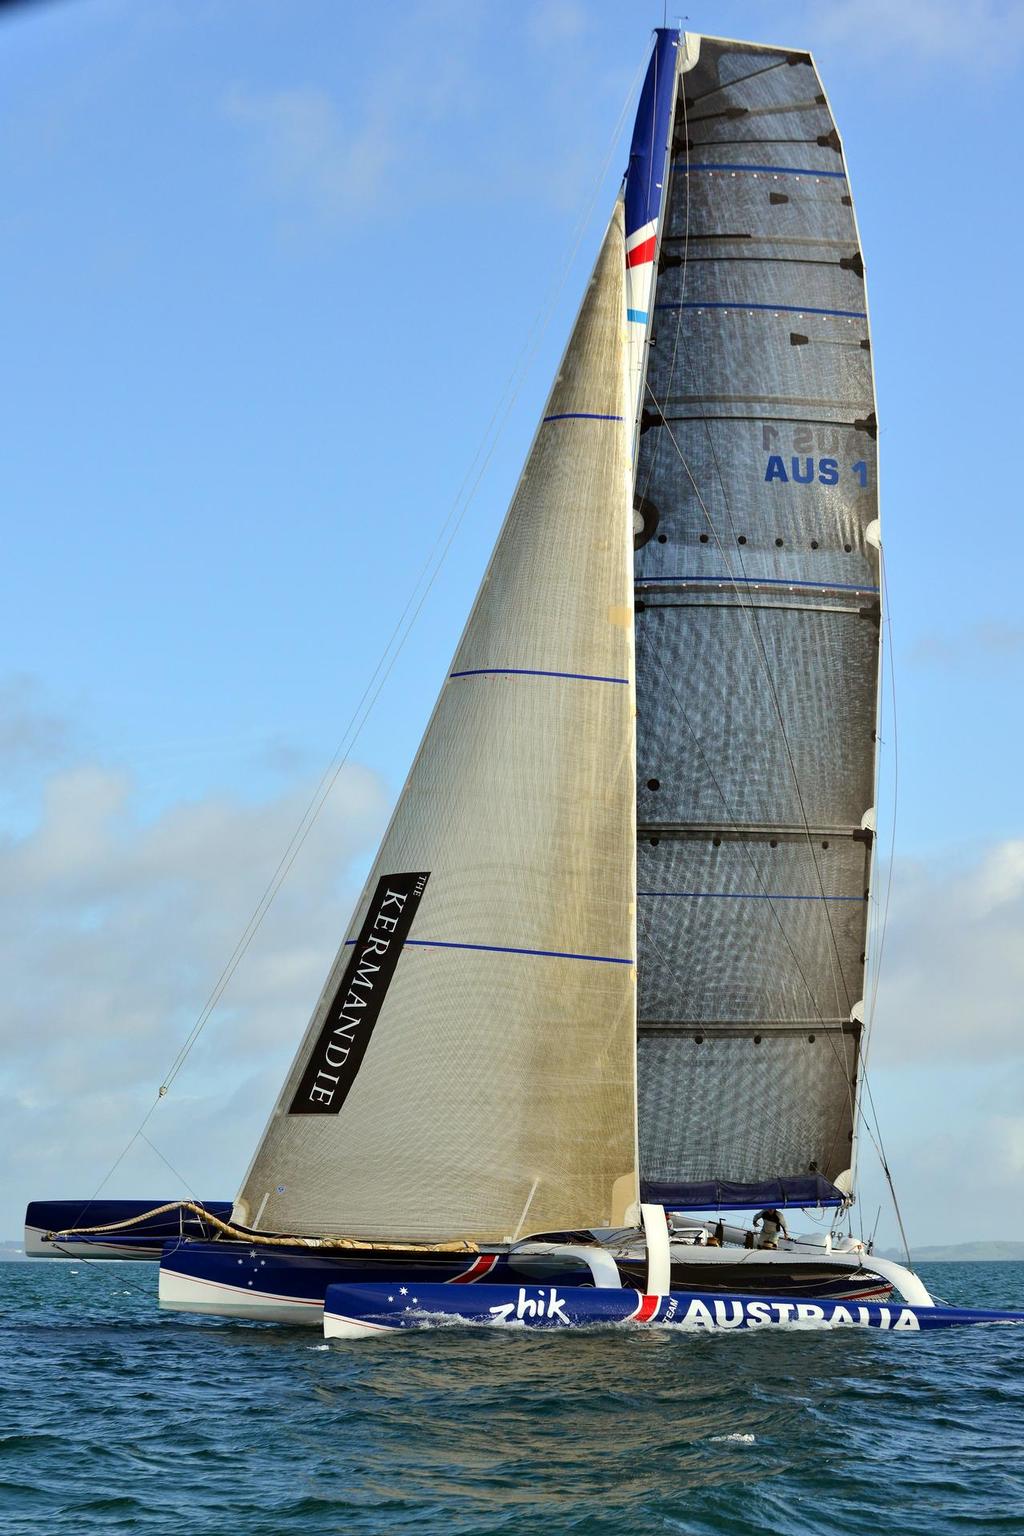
x=476 y=1271
x=646 y=1308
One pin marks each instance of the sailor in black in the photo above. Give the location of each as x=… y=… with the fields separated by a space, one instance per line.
x=772 y=1223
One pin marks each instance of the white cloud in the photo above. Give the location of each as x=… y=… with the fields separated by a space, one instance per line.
x=29 y=733
x=994 y=641
x=1007 y=1133
x=973 y=35
x=952 y=984
x=113 y=930
x=312 y=155
x=342 y=158
x=553 y=23
x=956 y=1151
x=423 y=126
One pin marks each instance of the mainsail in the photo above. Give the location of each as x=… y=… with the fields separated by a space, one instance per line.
x=470 y=1070
x=757 y=630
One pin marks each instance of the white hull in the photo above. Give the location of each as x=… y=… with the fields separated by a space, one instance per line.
x=768 y=1258
x=889 y=1273
x=36 y=1248
x=187 y=1293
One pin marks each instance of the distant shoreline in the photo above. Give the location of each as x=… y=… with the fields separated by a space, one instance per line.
x=996 y=1252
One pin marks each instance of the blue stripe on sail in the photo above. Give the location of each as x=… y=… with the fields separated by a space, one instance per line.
x=750 y=896
x=504 y=949
x=507 y=949
x=639 y=315
x=784 y=309
x=767 y=581
x=581 y=416
x=777 y=170
x=582 y=677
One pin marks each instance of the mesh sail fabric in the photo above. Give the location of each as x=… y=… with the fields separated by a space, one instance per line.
x=757 y=634
x=498 y=1092
x=746 y=1084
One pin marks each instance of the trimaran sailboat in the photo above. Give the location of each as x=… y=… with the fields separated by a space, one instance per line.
x=610 y=959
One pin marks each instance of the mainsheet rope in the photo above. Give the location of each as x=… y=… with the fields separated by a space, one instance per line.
x=261 y=1239
x=883 y=928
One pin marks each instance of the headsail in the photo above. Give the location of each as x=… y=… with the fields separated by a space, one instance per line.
x=757 y=645
x=497 y=1089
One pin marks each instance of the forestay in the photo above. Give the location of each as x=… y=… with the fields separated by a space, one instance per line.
x=757 y=646
x=487 y=1086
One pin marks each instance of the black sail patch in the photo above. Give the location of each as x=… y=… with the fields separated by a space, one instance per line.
x=355 y=1007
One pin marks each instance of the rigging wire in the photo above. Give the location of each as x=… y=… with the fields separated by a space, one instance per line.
x=883 y=929
x=405 y=623
x=79 y=1258
x=407 y=619
x=891 y=668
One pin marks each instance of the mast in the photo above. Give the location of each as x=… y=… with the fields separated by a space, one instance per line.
x=757 y=624
x=644 y=197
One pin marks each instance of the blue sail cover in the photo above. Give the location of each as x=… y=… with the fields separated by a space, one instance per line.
x=650 y=135
x=722 y=1195
x=643 y=197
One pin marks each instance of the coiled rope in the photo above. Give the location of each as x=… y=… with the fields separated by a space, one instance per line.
x=263 y=1239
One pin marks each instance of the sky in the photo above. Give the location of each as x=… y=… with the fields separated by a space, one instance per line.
x=285 y=286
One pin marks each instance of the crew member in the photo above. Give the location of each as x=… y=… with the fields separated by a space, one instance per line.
x=772 y=1223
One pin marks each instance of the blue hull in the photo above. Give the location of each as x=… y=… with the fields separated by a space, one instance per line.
x=355 y=1311
x=142 y=1239
x=285 y=1284
x=302 y=1276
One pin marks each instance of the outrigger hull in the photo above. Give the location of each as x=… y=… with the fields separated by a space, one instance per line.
x=285 y=1285
x=355 y=1312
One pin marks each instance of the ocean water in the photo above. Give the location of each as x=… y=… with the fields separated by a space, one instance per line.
x=117 y=1418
